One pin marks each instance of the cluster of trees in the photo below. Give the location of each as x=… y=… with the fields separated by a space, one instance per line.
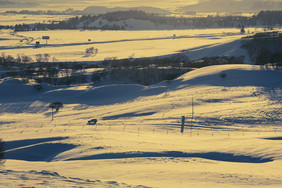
x=266 y=57
x=138 y=70
x=148 y=71
x=91 y=51
x=8 y=60
x=174 y=61
x=73 y=23
x=68 y=11
x=143 y=76
x=6 y=27
x=22 y=27
x=130 y=14
x=269 y=18
x=42 y=70
x=178 y=60
x=265 y=50
x=222 y=60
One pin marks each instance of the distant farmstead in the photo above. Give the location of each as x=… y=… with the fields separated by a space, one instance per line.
x=273 y=34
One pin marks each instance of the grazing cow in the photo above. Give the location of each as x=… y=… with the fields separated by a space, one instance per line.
x=92 y=121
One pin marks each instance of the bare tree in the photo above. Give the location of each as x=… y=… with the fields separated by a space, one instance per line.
x=46 y=57
x=39 y=58
x=55 y=105
x=91 y=51
x=26 y=59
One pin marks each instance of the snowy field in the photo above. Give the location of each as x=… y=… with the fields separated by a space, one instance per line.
x=234 y=140
x=13 y=19
x=70 y=45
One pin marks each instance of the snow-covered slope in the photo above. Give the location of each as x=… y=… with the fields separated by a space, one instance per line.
x=235 y=139
x=228 y=49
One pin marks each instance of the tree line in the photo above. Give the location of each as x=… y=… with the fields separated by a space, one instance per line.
x=68 y=11
x=264 y=18
x=266 y=50
x=43 y=68
x=173 y=61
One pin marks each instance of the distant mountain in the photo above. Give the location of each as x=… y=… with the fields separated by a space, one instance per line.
x=233 y=6
x=16 y=4
x=94 y=10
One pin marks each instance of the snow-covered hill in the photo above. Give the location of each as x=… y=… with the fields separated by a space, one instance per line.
x=234 y=6
x=235 y=138
x=130 y=24
x=95 y=10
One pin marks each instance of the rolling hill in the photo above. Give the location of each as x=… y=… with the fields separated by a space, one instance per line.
x=233 y=6
x=94 y=10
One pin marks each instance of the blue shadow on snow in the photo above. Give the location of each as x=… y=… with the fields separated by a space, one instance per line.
x=227 y=157
x=42 y=152
x=23 y=143
x=273 y=138
x=128 y=115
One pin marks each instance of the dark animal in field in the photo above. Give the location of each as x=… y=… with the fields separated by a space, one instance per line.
x=92 y=122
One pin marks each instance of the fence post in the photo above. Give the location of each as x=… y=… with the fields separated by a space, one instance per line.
x=182 y=124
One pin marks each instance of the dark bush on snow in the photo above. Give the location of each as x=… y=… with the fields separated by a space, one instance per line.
x=1 y=151
x=223 y=75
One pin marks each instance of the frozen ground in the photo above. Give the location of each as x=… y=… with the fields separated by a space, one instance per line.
x=235 y=140
x=70 y=45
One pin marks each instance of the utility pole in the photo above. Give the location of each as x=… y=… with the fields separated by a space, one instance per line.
x=52 y=114
x=192 y=116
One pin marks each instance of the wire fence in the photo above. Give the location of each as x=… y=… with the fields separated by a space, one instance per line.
x=143 y=127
